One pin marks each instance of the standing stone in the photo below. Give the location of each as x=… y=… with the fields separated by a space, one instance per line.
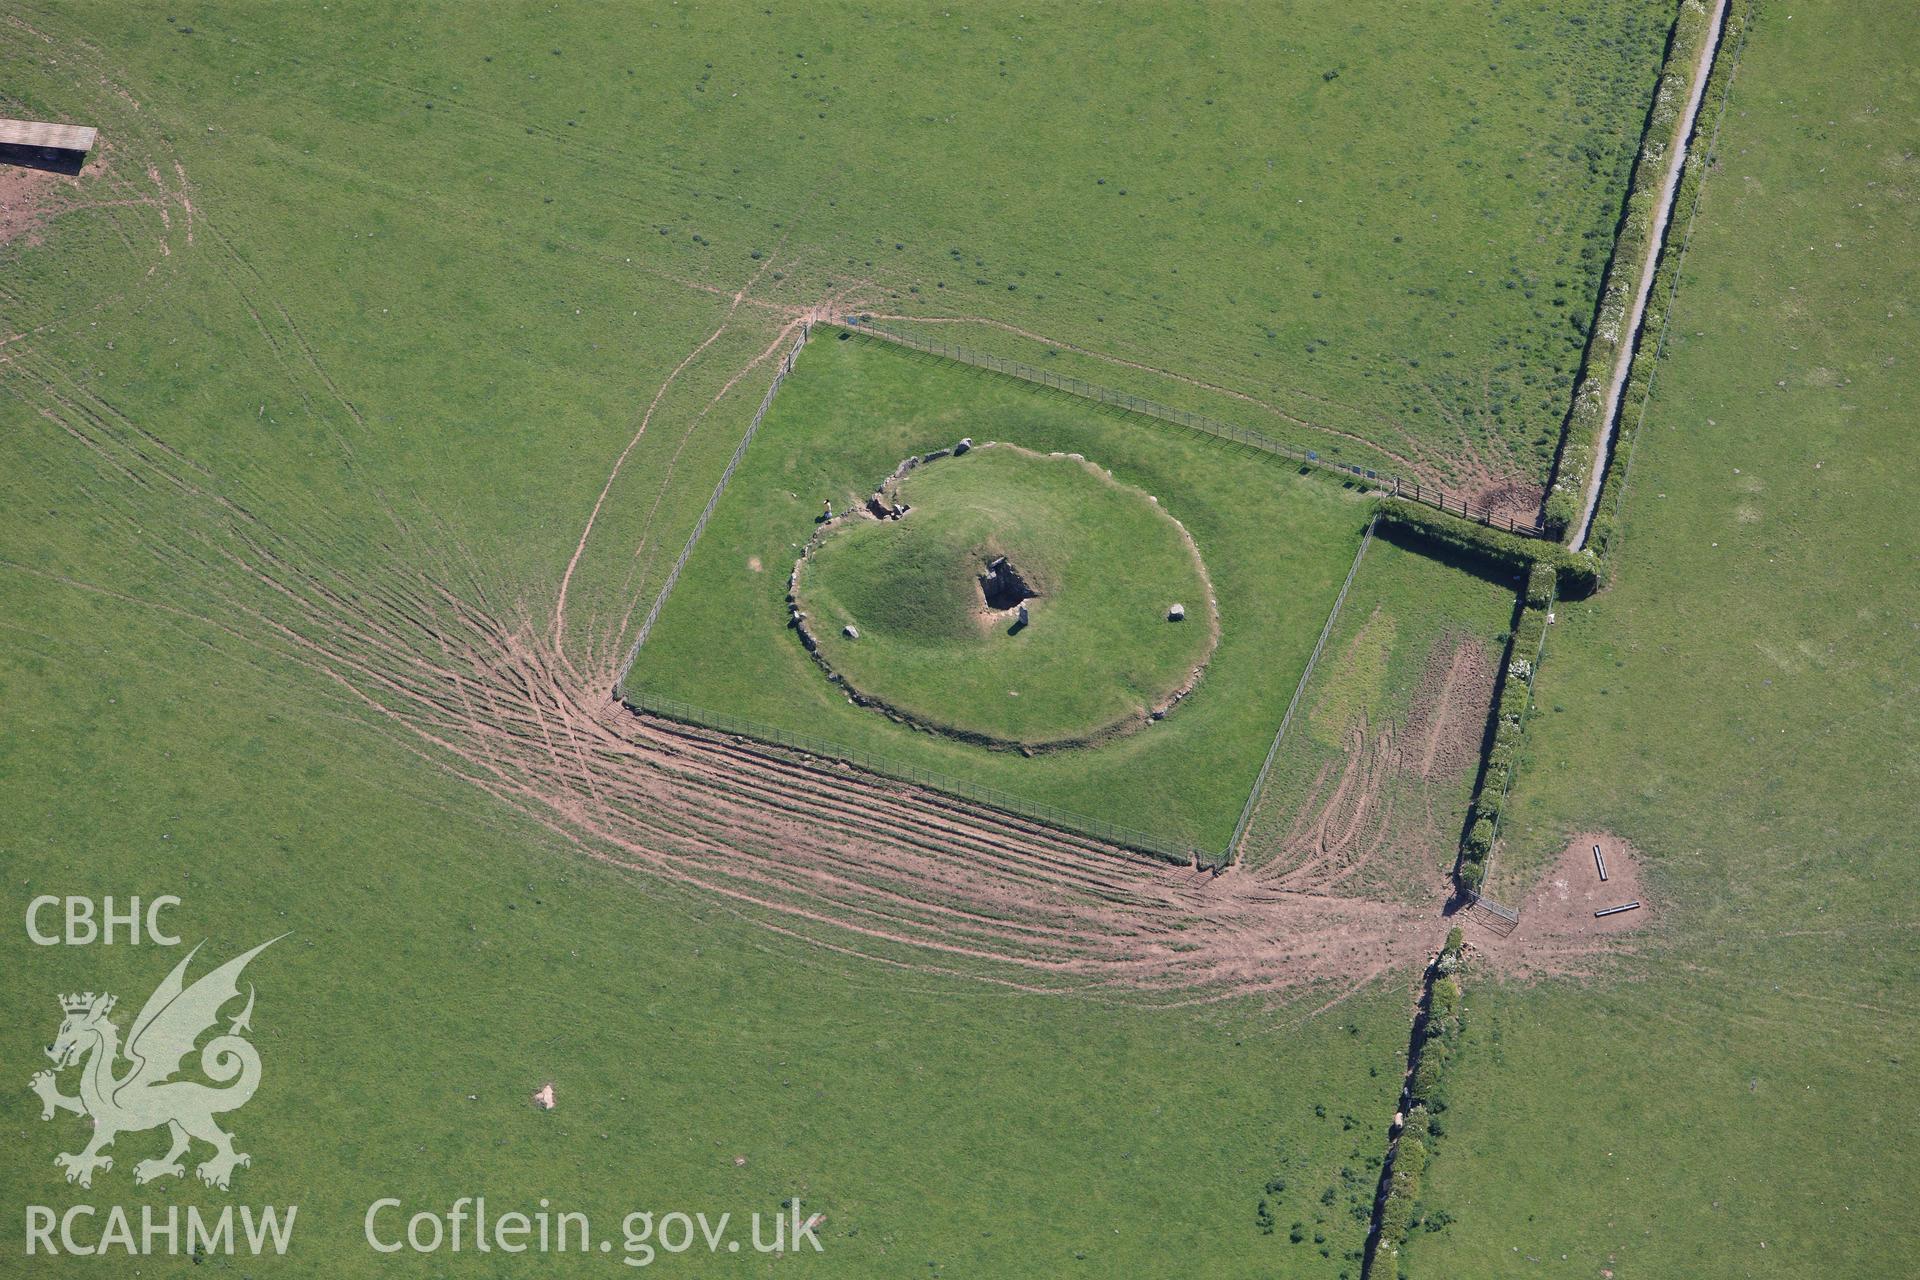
x=1178 y=613
x=963 y=446
x=850 y=631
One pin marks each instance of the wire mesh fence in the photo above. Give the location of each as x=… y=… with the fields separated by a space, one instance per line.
x=1273 y=752
x=719 y=489
x=886 y=766
x=1410 y=490
x=1129 y=837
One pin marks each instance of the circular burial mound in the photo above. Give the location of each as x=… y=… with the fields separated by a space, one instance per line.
x=1010 y=598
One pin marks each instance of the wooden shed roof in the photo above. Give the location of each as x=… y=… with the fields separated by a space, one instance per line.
x=35 y=133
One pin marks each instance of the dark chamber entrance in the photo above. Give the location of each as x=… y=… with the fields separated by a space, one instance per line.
x=1002 y=586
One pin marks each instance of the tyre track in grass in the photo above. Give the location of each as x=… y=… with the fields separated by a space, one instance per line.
x=412 y=639
x=408 y=635
x=839 y=857
x=586 y=532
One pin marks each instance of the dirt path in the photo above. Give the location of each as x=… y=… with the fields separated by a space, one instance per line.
x=1559 y=935
x=1663 y=211
x=408 y=637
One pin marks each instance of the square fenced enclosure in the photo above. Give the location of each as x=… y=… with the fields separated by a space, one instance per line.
x=1089 y=611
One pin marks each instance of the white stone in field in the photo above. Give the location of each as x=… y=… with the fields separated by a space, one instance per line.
x=1177 y=613
x=850 y=631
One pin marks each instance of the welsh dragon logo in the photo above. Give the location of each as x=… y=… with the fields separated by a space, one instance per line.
x=145 y=1094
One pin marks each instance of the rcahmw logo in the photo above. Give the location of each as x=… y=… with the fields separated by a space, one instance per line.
x=132 y=1086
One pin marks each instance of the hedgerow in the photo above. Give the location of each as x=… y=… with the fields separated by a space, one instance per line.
x=1575 y=573
x=1540 y=585
x=1524 y=648
x=1550 y=569
x=1653 y=325
x=1442 y=1019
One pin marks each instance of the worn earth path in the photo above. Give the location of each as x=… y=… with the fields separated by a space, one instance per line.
x=1663 y=213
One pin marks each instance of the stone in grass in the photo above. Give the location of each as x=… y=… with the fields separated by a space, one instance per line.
x=850 y=631
x=1178 y=613
x=963 y=446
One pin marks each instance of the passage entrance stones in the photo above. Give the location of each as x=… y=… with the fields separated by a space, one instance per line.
x=1003 y=588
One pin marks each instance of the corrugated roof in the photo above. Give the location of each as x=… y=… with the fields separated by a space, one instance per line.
x=35 y=133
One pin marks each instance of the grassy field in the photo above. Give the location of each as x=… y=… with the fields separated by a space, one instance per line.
x=1392 y=223
x=1096 y=564
x=364 y=331
x=1276 y=552
x=1378 y=765
x=446 y=958
x=1741 y=706
x=485 y=297
x=448 y=954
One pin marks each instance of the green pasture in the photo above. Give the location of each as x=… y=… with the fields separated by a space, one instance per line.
x=1741 y=705
x=1276 y=544
x=1388 y=221
x=447 y=957
x=1104 y=565
x=409 y=341
x=406 y=289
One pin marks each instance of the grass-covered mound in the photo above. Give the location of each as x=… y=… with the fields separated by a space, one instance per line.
x=1275 y=543
x=934 y=600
